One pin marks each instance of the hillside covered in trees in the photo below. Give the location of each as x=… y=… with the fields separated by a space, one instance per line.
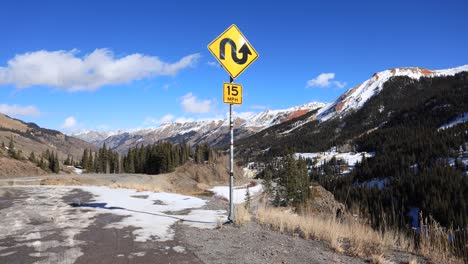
x=419 y=165
x=157 y=158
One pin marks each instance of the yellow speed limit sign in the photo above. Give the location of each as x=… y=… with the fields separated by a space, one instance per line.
x=232 y=93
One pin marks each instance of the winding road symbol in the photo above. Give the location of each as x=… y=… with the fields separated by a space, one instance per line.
x=244 y=50
x=241 y=54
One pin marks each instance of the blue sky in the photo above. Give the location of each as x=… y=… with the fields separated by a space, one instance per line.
x=127 y=64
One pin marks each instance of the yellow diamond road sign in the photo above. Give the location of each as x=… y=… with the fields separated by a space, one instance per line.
x=233 y=51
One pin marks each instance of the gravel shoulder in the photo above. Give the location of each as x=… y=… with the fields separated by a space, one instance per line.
x=253 y=244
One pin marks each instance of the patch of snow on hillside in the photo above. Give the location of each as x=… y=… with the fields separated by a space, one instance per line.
x=357 y=96
x=376 y=182
x=239 y=192
x=461 y=119
x=76 y=170
x=349 y=157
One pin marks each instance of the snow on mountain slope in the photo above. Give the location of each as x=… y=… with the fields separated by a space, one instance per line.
x=269 y=118
x=210 y=131
x=461 y=119
x=357 y=96
x=95 y=136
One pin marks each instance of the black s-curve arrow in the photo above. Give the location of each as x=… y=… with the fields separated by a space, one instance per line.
x=244 y=50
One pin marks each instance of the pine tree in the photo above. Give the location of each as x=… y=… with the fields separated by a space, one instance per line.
x=51 y=160
x=18 y=155
x=11 y=147
x=32 y=157
x=90 y=162
x=56 y=167
x=67 y=162
x=41 y=163
x=267 y=178
x=46 y=155
x=277 y=200
x=247 y=198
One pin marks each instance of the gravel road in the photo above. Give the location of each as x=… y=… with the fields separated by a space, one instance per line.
x=40 y=226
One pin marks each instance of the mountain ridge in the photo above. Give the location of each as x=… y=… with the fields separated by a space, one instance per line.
x=211 y=131
x=214 y=131
x=29 y=137
x=358 y=95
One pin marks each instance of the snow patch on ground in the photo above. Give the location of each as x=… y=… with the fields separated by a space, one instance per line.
x=152 y=221
x=179 y=249
x=150 y=218
x=196 y=218
x=44 y=205
x=76 y=170
x=239 y=192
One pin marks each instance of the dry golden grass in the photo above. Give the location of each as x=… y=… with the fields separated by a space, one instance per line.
x=351 y=236
x=211 y=173
x=434 y=243
x=241 y=215
x=413 y=261
x=137 y=187
x=379 y=259
x=359 y=239
x=9 y=123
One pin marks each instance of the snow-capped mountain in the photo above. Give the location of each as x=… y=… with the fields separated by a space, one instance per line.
x=357 y=96
x=95 y=136
x=214 y=131
x=390 y=99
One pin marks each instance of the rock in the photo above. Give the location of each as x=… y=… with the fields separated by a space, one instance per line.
x=323 y=201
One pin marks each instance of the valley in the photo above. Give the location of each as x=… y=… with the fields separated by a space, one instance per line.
x=379 y=150
x=233 y=132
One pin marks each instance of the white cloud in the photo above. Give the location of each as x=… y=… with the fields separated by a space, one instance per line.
x=17 y=110
x=325 y=80
x=164 y=119
x=67 y=71
x=191 y=104
x=70 y=122
x=214 y=64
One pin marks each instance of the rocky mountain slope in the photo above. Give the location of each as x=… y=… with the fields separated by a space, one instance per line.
x=29 y=137
x=356 y=97
x=281 y=122
x=213 y=132
x=362 y=110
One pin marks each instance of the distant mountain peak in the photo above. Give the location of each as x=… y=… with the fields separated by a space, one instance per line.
x=357 y=96
x=208 y=130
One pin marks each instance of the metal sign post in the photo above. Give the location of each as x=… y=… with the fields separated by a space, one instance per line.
x=242 y=55
x=231 y=165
